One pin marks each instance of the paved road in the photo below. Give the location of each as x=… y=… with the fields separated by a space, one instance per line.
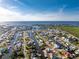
x=24 y=46
x=6 y=56
x=14 y=40
x=36 y=44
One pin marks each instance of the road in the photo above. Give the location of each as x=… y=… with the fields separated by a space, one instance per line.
x=31 y=35
x=24 y=46
x=14 y=39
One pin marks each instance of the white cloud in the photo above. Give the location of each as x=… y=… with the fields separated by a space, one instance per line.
x=19 y=2
x=8 y=15
x=13 y=7
x=1 y=1
x=62 y=8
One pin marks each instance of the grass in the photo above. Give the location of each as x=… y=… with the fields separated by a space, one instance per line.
x=0 y=33
x=71 y=29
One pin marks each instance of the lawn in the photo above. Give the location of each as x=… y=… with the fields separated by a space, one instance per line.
x=74 y=30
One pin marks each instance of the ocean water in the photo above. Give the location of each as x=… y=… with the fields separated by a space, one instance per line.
x=29 y=23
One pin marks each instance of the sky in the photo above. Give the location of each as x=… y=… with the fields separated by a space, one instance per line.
x=39 y=10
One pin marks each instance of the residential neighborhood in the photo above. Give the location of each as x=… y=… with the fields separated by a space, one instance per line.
x=37 y=42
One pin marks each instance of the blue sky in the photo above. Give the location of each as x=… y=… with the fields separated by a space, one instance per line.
x=39 y=10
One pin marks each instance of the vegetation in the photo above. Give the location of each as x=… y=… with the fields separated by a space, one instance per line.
x=74 y=30
x=0 y=33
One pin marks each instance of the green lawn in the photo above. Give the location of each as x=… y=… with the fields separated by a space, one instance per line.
x=0 y=32
x=71 y=29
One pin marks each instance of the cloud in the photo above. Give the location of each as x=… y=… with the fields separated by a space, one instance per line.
x=8 y=15
x=19 y=2
x=61 y=10
x=1 y=2
x=13 y=7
